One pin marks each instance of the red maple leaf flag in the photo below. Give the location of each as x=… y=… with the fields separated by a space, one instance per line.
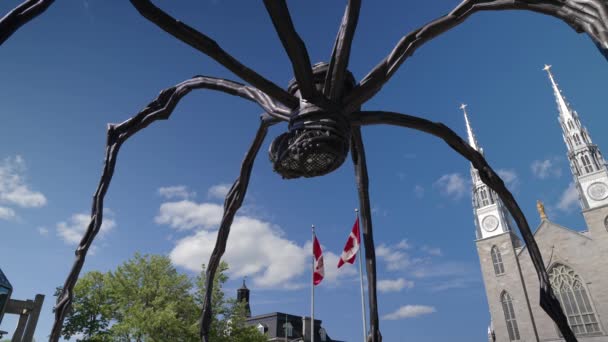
x=319 y=268
x=352 y=246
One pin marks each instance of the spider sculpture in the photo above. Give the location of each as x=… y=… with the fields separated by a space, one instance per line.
x=322 y=108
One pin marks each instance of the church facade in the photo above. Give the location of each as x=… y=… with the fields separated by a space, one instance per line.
x=576 y=261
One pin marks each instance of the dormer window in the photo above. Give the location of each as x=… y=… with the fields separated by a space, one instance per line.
x=261 y=328
x=288 y=329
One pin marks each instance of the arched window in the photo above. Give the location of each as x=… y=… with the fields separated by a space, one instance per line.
x=586 y=163
x=574 y=300
x=288 y=329
x=499 y=268
x=484 y=198
x=507 y=308
x=570 y=124
x=577 y=139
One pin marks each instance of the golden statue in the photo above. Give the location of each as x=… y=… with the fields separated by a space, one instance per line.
x=541 y=210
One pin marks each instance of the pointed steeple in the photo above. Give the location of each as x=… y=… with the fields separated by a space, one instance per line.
x=470 y=134
x=242 y=295
x=586 y=161
x=491 y=217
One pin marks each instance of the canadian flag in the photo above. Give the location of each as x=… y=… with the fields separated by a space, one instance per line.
x=352 y=246
x=319 y=268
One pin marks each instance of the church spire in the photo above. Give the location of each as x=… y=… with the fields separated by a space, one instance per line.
x=470 y=134
x=491 y=217
x=586 y=161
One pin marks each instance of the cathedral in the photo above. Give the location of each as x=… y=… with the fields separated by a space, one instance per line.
x=576 y=261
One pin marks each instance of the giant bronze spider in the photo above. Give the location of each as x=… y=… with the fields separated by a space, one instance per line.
x=322 y=106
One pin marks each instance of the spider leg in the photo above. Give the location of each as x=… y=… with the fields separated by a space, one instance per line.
x=293 y=45
x=20 y=15
x=211 y=48
x=548 y=301
x=233 y=202
x=159 y=109
x=358 y=156
x=338 y=63
x=589 y=16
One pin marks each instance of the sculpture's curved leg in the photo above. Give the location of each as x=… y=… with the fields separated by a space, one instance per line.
x=20 y=15
x=548 y=301
x=233 y=202
x=211 y=48
x=338 y=63
x=590 y=16
x=358 y=155
x=293 y=45
x=159 y=109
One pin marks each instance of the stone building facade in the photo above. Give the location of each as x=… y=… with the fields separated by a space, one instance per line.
x=577 y=261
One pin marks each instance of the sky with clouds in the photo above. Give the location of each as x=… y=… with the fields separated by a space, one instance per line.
x=64 y=80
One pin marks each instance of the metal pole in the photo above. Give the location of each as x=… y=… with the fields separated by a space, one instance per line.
x=361 y=282
x=312 y=305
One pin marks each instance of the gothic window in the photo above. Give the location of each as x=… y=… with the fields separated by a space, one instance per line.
x=574 y=300
x=507 y=308
x=570 y=124
x=484 y=197
x=586 y=163
x=606 y=223
x=585 y=137
x=569 y=142
x=499 y=268
x=288 y=329
x=577 y=139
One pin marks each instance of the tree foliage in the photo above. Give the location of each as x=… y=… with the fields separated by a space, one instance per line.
x=147 y=300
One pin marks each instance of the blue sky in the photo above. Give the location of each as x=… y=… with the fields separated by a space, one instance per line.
x=84 y=64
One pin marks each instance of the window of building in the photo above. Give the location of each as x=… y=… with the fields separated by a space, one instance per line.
x=484 y=197
x=499 y=268
x=577 y=139
x=507 y=308
x=586 y=163
x=574 y=300
x=570 y=124
x=288 y=329
x=323 y=334
x=261 y=328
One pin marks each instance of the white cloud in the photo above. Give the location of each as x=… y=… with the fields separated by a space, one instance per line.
x=72 y=231
x=451 y=185
x=509 y=177
x=185 y=215
x=403 y=244
x=13 y=187
x=256 y=248
x=394 y=258
x=394 y=285
x=546 y=168
x=219 y=191
x=569 y=199
x=7 y=213
x=434 y=251
x=44 y=231
x=177 y=191
x=409 y=311
x=419 y=191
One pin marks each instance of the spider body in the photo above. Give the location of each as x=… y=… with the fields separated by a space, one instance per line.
x=318 y=137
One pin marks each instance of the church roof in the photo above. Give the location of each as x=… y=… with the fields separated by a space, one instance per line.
x=546 y=223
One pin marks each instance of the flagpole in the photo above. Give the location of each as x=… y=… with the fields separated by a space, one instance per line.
x=361 y=283
x=312 y=291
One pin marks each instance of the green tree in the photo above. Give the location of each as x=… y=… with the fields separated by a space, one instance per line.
x=228 y=323
x=90 y=315
x=147 y=300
